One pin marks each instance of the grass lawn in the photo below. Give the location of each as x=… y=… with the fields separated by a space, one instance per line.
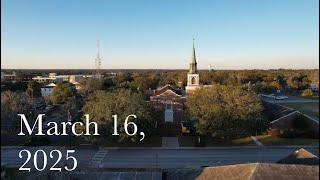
x=188 y=141
x=269 y=141
x=310 y=108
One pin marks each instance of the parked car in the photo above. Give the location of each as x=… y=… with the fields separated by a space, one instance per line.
x=281 y=97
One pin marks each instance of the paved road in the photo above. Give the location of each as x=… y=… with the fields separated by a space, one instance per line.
x=291 y=99
x=192 y=158
x=165 y=158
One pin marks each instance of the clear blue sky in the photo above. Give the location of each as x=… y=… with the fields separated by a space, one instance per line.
x=230 y=34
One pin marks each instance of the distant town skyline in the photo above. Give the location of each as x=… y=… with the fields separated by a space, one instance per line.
x=232 y=34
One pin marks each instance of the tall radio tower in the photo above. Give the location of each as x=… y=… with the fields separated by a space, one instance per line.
x=98 y=61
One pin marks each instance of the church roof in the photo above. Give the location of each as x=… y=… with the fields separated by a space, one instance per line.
x=168 y=92
x=168 y=87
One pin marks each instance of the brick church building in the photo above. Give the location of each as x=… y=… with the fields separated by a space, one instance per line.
x=172 y=100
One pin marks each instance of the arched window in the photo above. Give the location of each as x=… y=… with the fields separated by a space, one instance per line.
x=193 y=80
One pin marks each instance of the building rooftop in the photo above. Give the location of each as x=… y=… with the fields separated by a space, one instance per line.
x=51 y=85
x=300 y=156
x=252 y=171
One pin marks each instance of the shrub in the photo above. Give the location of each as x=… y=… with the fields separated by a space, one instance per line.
x=307 y=93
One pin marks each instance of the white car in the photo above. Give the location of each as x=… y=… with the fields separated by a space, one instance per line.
x=281 y=97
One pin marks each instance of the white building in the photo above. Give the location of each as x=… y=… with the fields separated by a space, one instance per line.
x=52 y=75
x=47 y=90
x=41 y=79
x=75 y=78
x=62 y=78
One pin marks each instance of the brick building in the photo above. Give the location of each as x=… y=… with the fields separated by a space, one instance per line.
x=171 y=102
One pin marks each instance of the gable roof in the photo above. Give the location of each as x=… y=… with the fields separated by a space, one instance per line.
x=50 y=85
x=252 y=171
x=300 y=156
x=163 y=89
x=275 y=111
x=168 y=92
x=260 y=171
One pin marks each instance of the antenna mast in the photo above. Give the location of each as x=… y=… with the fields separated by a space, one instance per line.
x=98 y=61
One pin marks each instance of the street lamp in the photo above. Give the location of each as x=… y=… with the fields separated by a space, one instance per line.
x=69 y=120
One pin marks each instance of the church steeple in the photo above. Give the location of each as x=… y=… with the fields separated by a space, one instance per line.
x=193 y=61
x=193 y=76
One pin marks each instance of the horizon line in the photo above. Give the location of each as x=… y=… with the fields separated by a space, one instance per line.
x=155 y=69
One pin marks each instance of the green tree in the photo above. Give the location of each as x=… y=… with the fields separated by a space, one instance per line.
x=263 y=87
x=314 y=76
x=307 y=93
x=220 y=77
x=145 y=82
x=62 y=93
x=227 y=109
x=13 y=103
x=101 y=105
x=33 y=89
x=281 y=81
x=275 y=85
x=299 y=82
x=13 y=86
x=168 y=78
x=91 y=84
x=122 y=78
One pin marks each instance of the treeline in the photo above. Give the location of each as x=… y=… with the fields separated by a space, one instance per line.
x=229 y=109
x=261 y=81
